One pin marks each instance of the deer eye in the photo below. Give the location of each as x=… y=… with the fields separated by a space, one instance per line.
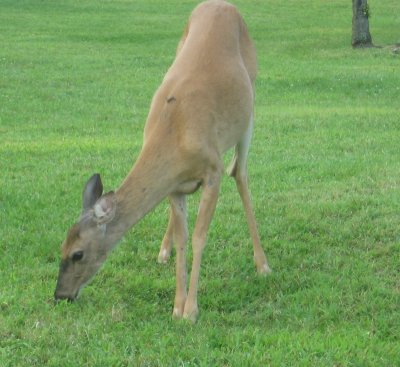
x=76 y=256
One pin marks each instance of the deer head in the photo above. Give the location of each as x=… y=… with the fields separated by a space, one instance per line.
x=87 y=244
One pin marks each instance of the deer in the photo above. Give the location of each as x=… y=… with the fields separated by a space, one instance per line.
x=203 y=108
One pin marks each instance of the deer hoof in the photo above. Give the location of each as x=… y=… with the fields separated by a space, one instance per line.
x=177 y=314
x=191 y=316
x=264 y=270
x=163 y=256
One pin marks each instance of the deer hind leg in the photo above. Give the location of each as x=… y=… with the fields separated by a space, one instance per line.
x=168 y=241
x=207 y=206
x=178 y=227
x=238 y=170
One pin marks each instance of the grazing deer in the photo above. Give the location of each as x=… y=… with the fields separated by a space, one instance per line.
x=203 y=107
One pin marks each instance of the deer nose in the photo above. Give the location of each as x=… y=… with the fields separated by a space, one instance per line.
x=61 y=297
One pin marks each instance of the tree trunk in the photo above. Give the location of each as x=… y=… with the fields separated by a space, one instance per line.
x=361 y=36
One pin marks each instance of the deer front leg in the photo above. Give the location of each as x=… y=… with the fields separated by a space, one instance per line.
x=180 y=237
x=207 y=206
x=167 y=242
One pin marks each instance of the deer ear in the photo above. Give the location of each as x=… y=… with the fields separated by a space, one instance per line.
x=92 y=191
x=104 y=208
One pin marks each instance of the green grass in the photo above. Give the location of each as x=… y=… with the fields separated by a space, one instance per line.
x=76 y=81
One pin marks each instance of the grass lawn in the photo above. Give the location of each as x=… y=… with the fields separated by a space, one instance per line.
x=76 y=81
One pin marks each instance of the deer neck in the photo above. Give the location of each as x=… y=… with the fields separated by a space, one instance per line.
x=152 y=178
